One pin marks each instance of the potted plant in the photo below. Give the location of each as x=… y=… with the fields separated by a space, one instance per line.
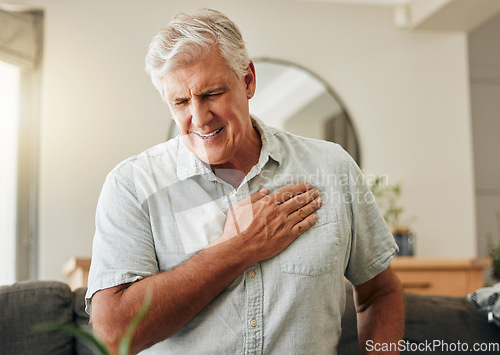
x=387 y=197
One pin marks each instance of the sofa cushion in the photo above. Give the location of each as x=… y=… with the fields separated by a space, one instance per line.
x=430 y=319
x=449 y=320
x=81 y=319
x=487 y=299
x=26 y=304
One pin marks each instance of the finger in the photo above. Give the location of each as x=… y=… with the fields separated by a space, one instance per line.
x=251 y=198
x=259 y=195
x=305 y=211
x=300 y=200
x=289 y=192
x=304 y=225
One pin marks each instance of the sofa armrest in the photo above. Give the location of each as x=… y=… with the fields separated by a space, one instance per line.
x=26 y=304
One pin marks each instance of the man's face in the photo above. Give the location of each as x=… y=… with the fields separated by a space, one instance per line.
x=209 y=104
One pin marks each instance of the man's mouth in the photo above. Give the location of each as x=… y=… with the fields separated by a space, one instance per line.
x=206 y=136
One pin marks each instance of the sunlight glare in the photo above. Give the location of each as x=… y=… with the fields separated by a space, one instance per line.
x=9 y=112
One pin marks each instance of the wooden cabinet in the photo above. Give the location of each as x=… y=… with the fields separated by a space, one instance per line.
x=449 y=277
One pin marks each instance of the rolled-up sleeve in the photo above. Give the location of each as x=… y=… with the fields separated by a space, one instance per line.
x=372 y=243
x=122 y=224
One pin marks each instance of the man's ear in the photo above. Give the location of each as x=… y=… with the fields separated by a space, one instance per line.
x=250 y=80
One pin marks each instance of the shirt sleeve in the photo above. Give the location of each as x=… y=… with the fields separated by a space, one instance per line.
x=123 y=248
x=372 y=243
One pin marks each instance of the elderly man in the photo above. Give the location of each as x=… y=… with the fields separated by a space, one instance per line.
x=240 y=252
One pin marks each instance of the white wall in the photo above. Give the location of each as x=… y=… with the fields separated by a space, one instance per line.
x=484 y=53
x=407 y=94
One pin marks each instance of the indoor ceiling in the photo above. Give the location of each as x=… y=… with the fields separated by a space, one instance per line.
x=446 y=15
x=367 y=2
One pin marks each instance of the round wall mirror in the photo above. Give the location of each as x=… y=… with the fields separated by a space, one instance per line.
x=292 y=98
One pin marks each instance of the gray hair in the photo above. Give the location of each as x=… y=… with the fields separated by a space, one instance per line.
x=189 y=37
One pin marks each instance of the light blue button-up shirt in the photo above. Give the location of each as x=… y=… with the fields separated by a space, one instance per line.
x=159 y=208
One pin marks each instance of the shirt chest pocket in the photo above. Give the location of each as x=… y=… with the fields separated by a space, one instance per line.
x=313 y=253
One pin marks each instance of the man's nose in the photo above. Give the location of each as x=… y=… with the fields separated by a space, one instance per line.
x=200 y=113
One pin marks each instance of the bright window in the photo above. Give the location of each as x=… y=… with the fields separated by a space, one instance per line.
x=21 y=34
x=9 y=122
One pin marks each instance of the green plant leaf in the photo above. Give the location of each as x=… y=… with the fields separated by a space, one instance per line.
x=83 y=333
x=125 y=342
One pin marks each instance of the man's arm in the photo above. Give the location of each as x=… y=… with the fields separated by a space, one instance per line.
x=380 y=311
x=257 y=228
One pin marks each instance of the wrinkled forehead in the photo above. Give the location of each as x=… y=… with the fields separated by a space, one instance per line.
x=198 y=75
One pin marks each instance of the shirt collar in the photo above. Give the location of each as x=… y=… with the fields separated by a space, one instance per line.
x=189 y=165
x=270 y=144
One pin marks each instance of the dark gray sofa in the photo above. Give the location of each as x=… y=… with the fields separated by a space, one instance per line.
x=452 y=321
x=25 y=304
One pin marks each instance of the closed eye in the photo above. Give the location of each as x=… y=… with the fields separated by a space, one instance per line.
x=177 y=103
x=214 y=94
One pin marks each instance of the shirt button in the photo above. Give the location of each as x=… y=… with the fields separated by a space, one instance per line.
x=251 y=274
x=253 y=323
